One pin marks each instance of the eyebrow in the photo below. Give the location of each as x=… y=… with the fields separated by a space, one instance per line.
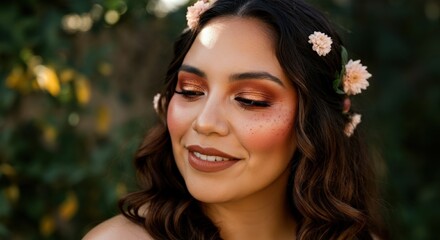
x=193 y=70
x=235 y=77
x=256 y=75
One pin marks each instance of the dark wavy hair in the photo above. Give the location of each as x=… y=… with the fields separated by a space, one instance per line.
x=331 y=190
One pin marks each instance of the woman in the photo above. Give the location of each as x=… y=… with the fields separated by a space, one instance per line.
x=257 y=139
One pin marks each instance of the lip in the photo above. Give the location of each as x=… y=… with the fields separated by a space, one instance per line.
x=209 y=166
x=210 y=151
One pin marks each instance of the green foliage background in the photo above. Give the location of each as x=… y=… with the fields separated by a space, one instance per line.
x=74 y=105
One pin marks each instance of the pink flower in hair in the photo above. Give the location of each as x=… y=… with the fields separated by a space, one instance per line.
x=355 y=119
x=156 y=102
x=194 y=12
x=355 y=78
x=322 y=44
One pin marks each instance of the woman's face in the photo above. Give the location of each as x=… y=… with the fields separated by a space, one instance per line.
x=231 y=118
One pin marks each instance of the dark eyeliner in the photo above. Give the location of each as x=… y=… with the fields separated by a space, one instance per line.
x=189 y=95
x=186 y=92
x=252 y=103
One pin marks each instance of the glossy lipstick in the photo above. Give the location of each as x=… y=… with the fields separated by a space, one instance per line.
x=209 y=159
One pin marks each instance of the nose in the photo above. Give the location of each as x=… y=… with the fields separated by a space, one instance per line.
x=211 y=119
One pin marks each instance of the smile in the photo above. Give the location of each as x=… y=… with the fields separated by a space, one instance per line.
x=210 y=158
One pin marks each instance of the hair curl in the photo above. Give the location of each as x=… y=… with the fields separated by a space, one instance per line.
x=331 y=190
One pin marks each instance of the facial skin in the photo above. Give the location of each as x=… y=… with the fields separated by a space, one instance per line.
x=232 y=95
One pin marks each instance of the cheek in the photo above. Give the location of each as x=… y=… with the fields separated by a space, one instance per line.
x=269 y=131
x=176 y=119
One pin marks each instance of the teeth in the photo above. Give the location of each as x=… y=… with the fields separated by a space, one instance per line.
x=210 y=158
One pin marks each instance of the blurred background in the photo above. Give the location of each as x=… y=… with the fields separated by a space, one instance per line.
x=77 y=79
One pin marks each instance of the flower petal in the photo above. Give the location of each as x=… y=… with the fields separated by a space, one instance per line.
x=321 y=43
x=355 y=119
x=355 y=78
x=194 y=12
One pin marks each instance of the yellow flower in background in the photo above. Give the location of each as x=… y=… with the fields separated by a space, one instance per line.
x=50 y=134
x=67 y=75
x=69 y=207
x=14 y=78
x=7 y=170
x=103 y=120
x=83 y=91
x=47 y=225
x=105 y=69
x=20 y=80
x=47 y=79
x=12 y=193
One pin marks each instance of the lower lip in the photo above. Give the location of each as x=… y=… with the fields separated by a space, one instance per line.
x=207 y=166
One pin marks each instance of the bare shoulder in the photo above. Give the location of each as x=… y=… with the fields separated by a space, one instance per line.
x=117 y=227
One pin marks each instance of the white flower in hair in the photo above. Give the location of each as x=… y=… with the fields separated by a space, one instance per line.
x=355 y=119
x=322 y=44
x=194 y=12
x=156 y=102
x=355 y=77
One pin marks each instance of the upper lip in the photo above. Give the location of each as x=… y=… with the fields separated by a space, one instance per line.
x=209 y=151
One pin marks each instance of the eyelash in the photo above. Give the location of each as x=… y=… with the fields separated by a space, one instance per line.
x=249 y=103
x=244 y=102
x=189 y=94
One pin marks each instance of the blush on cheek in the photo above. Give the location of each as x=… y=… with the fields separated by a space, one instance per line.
x=173 y=114
x=269 y=130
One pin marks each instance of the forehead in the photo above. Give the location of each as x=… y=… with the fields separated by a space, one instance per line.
x=235 y=44
x=239 y=28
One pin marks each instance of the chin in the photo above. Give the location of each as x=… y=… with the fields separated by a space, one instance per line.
x=211 y=195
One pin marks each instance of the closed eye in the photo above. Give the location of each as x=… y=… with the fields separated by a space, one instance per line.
x=189 y=94
x=246 y=103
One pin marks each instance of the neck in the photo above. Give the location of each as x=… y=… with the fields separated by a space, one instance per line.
x=264 y=215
